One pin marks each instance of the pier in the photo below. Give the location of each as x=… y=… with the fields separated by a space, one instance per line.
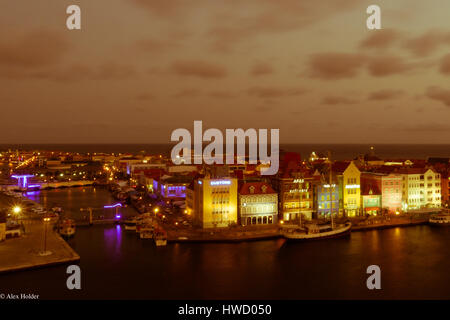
x=236 y=234
x=27 y=252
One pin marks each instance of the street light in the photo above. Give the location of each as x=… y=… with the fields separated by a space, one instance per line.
x=17 y=210
x=45 y=252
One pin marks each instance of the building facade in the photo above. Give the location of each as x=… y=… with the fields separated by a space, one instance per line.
x=351 y=190
x=327 y=199
x=421 y=188
x=258 y=204
x=391 y=191
x=296 y=196
x=213 y=202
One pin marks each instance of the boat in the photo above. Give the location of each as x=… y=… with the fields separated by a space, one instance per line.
x=66 y=227
x=315 y=232
x=130 y=224
x=160 y=237
x=441 y=219
x=146 y=232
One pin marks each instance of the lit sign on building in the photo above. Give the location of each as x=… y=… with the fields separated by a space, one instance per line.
x=299 y=180
x=352 y=186
x=220 y=182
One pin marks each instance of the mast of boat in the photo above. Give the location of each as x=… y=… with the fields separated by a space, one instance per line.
x=330 y=188
x=299 y=201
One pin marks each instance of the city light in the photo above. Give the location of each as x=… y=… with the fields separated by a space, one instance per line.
x=113 y=206
x=220 y=182
x=17 y=210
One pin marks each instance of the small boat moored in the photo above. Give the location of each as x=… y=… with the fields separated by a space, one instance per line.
x=160 y=237
x=66 y=227
x=441 y=219
x=315 y=232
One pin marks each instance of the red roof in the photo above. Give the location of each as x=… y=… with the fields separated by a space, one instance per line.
x=245 y=189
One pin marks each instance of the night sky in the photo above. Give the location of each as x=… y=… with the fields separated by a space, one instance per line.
x=139 y=69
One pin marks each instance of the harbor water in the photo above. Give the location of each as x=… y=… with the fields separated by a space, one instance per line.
x=116 y=264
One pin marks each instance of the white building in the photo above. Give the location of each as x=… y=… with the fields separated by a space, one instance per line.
x=421 y=188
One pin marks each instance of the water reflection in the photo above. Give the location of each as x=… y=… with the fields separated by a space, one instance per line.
x=414 y=263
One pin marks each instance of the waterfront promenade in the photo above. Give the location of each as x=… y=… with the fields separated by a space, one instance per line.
x=234 y=234
x=25 y=252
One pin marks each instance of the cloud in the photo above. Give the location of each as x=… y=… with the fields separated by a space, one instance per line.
x=426 y=128
x=222 y=94
x=145 y=97
x=199 y=69
x=231 y=22
x=335 y=100
x=439 y=94
x=156 y=45
x=274 y=92
x=381 y=66
x=32 y=50
x=187 y=93
x=261 y=69
x=380 y=39
x=386 y=94
x=427 y=43
x=74 y=72
x=445 y=65
x=333 y=65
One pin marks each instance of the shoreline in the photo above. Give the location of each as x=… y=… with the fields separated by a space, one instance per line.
x=22 y=253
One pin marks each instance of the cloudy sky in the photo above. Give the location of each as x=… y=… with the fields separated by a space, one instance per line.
x=139 y=69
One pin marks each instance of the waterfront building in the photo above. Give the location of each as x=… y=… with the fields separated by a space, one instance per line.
x=351 y=179
x=172 y=187
x=371 y=193
x=296 y=195
x=2 y=225
x=391 y=192
x=327 y=199
x=258 y=204
x=421 y=188
x=212 y=202
x=445 y=189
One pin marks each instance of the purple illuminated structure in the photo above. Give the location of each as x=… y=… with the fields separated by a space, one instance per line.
x=113 y=206
x=22 y=180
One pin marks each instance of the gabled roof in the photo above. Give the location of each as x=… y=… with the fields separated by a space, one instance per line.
x=258 y=188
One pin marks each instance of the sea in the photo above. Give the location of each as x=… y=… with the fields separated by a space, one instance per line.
x=338 y=151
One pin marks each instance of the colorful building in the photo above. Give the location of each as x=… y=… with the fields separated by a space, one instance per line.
x=351 y=190
x=371 y=193
x=258 y=204
x=172 y=187
x=391 y=192
x=421 y=188
x=2 y=225
x=327 y=198
x=445 y=189
x=296 y=195
x=213 y=202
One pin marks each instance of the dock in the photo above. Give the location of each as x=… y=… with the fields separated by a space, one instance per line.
x=392 y=224
x=25 y=252
x=237 y=234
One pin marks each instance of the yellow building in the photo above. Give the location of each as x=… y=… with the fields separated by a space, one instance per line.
x=2 y=231
x=213 y=202
x=352 y=190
